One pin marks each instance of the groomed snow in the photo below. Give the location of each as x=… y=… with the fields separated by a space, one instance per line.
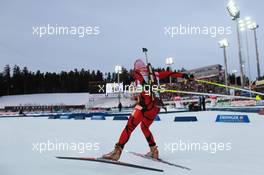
x=18 y=134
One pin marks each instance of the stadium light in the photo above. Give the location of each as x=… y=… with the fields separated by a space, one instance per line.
x=118 y=70
x=248 y=21
x=244 y=25
x=249 y=24
x=169 y=63
x=253 y=25
x=234 y=12
x=223 y=44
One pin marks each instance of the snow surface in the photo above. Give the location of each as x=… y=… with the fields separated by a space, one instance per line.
x=18 y=134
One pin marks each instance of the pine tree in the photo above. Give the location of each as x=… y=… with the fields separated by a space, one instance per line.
x=7 y=79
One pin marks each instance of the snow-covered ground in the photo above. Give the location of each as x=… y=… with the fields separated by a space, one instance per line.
x=243 y=144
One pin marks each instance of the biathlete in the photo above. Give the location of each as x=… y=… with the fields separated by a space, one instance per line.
x=145 y=111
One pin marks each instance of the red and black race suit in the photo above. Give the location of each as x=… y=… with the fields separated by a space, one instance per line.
x=143 y=113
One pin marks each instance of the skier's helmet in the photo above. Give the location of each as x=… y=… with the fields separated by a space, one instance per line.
x=141 y=74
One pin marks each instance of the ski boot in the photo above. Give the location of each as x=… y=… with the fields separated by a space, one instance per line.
x=154 y=152
x=115 y=154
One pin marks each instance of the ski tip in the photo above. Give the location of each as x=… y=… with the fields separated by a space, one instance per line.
x=60 y=157
x=63 y=157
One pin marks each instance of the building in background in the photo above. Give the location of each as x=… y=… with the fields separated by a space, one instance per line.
x=208 y=72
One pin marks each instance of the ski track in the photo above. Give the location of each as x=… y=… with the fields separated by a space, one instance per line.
x=18 y=134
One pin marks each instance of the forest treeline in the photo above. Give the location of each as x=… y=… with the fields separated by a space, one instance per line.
x=16 y=80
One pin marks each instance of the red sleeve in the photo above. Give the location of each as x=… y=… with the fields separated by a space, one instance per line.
x=166 y=74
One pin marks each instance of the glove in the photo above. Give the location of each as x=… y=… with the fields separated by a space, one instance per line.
x=188 y=76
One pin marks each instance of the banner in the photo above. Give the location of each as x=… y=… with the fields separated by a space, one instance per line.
x=232 y=118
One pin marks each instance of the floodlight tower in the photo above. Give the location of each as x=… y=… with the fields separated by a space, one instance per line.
x=234 y=12
x=243 y=27
x=253 y=26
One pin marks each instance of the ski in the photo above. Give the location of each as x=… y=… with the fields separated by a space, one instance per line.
x=158 y=160
x=102 y=160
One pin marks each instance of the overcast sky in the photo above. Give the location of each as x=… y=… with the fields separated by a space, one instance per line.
x=125 y=27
